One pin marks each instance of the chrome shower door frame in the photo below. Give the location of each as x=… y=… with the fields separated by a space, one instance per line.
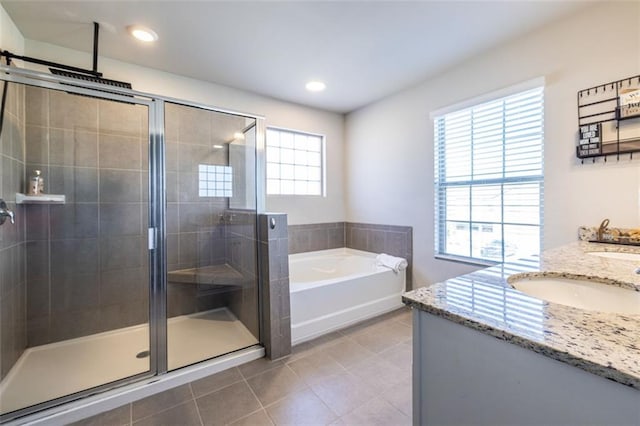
x=157 y=242
x=156 y=328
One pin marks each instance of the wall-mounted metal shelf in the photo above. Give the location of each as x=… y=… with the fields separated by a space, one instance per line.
x=609 y=120
x=40 y=199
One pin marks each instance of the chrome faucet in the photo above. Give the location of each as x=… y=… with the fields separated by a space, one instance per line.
x=6 y=213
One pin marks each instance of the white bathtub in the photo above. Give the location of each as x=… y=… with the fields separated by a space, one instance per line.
x=331 y=289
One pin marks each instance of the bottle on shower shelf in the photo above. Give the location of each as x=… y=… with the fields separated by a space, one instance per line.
x=36 y=183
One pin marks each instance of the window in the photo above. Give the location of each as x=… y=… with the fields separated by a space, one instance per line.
x=295 y=163
x=214 y=181
x=489 y=178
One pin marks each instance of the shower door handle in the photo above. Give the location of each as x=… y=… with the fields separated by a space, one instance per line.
x=6 y=213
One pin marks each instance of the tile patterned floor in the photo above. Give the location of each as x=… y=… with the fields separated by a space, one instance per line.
x=357 y=376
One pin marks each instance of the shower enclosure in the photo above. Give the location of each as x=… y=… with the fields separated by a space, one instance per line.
x=140 y=258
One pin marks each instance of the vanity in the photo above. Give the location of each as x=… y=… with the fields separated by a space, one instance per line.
x=486 y=353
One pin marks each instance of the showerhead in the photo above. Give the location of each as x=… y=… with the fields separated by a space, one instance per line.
x=91 y=78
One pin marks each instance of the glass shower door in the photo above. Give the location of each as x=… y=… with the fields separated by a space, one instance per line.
x=212 y=292
x=82 y=243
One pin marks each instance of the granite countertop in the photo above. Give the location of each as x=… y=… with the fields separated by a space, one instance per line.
x=606 y=344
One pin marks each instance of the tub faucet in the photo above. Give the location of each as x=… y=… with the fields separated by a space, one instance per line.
x=602 y=229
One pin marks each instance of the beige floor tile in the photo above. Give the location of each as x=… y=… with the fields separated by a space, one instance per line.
x=160 y=401
x=275 y=384
x=316 y=367
x=376 y=412
x=228 y=404
x=382 y=337
x=326 y=338
x=216 y=382
x=301 y=350
x=258 y=366
x=406 y=317
x=379 y=374
x=342 y=393
x=301 y=408
x=184 y=415
x=347 y=352
x=362 y=327
x=399 y=329
x=399 y=355
x=400 y=396
x=259 y=418
x=395 y=315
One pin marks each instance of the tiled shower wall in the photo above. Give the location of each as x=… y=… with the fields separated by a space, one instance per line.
x=87 y=263
x=13 y=289
x=390 y=239
x=203 y=231
x=195 y=225
x=241 y=255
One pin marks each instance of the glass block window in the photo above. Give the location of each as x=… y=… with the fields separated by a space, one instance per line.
x=489 y=178
x=295 y=163
x=215 y=181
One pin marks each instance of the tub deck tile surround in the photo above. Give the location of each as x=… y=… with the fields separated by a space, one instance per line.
x=390 y=239
x=323 y=382
x=605 y=344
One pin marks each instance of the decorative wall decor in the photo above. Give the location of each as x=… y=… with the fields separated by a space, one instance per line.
x=609 y=119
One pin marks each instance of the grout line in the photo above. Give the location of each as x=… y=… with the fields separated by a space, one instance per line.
x=250 y=414
x=253 y=393
x=163 y=410
x=193 y=396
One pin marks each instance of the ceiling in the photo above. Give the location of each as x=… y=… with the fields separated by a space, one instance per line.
x=362 y=50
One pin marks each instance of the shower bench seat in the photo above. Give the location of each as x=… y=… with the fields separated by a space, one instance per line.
x=216 y=275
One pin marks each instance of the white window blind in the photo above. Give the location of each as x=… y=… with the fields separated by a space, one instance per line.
x=295 y=163
x=489 y=178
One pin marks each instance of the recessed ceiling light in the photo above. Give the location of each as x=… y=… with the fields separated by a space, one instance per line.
x=218 y=146
x=316 y=86
x=142 y=33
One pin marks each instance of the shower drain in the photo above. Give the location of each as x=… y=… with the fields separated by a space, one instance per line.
x=142 y=354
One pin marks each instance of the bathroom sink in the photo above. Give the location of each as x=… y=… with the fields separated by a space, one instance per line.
x=616 y=255
x=582 y=294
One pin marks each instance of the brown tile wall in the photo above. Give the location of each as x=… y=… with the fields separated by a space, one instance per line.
x=203 y=231
x=195 y=225
x=390 y=239
x=316 y=236
x=274 y=264
x=13 y=288
x=87 y=260
x=87 y=264
x=242 y=255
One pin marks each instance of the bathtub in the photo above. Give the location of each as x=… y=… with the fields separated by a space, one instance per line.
x=331 y=289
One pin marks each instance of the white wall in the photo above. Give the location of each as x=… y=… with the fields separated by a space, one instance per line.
x=389 y=148
x=11 y=38
x=277 y=113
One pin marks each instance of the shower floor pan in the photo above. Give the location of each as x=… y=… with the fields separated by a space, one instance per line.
x=50 y=371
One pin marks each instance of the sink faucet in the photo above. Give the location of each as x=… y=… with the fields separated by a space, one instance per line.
x=602 y=229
